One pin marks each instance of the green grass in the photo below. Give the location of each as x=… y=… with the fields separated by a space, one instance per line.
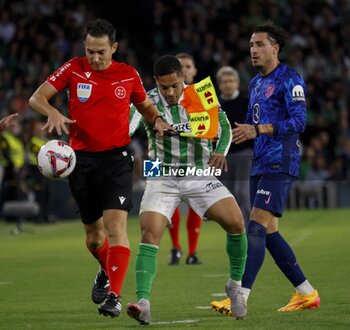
x=46 y=277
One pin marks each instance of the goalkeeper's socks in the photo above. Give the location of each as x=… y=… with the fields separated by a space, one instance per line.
x=194 y=223
x=145 y=269
x=117 y=265
x=100 y=253
x=256 y=253
x=285 y=259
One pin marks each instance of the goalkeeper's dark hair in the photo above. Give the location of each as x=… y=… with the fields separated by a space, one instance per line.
x=99 y=28
x=167 y=64
x=275 y=34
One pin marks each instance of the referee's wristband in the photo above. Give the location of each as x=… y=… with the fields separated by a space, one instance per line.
x=256 y=126
x=156 y=117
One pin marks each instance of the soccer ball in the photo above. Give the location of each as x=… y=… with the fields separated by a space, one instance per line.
x=56 y=159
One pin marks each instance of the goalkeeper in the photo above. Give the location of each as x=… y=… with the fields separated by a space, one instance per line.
x=205 y=194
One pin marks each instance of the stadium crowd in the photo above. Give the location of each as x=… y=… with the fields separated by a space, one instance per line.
x=37 y=36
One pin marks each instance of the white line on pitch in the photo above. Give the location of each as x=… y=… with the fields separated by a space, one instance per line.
x=203 y=307
x=176 y=322
x=305 y=235
x=219 y=294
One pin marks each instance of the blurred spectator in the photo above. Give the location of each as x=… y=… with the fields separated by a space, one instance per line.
x=308 y=154
x=37 y=185
x=318 y=172
x=239 y=157
x=345 y=155
x=7 y=27
x=12 y=159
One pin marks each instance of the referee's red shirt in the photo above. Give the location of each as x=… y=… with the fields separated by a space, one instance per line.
x=99 y=101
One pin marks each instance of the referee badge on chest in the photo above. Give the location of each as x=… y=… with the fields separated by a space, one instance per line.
x=84 y=91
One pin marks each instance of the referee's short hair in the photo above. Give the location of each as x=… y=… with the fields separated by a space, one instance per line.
x=99 y=28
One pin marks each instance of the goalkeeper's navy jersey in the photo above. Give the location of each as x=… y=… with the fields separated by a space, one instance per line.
x=278 y=99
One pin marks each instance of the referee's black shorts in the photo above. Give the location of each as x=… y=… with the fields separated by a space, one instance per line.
x=102 y=181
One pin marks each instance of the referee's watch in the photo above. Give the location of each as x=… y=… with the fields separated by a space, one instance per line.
x=156 y=117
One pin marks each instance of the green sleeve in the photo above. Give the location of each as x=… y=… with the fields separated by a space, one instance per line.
x=134 y=121
x=225 y=134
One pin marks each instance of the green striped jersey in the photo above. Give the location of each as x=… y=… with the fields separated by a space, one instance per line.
x=177 y=151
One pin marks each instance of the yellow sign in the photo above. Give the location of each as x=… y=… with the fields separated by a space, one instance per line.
x=202 y=106
x=206 y=93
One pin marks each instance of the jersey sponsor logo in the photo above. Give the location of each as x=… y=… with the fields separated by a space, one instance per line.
x=267 y=201
x=182 y=127
x=87 y=74
x=60 y=71
x=120 y=92
x=298 y=93
x=256 y=113
x=84 y=91
x=265 y=193
x=269 y=90
x=212 y=186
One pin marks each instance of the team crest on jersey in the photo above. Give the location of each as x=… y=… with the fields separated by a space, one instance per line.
x=120 y=92
x=298 y=93
x=84 y=91
x=269 y=90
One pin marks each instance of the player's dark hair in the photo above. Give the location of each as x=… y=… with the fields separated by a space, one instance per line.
x=99 y=28
x=165 y=65
x=275 y=33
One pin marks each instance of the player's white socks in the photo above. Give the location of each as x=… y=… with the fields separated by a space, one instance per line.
x=304 y=288
x=234 y=284
x=245 y=292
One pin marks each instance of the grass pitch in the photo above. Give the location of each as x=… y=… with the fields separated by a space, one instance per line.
x=46 y=278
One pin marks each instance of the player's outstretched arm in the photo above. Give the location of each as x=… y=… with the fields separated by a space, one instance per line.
x=244 y=132
x=149 y=111
x=39 y=102
x=8 y=121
